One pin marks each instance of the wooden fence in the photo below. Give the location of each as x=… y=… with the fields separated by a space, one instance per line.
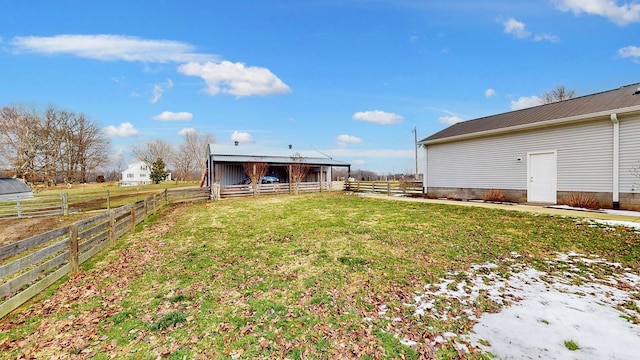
x=231 y=191
x=35 y=206
x=29 y=266
x=386 y=187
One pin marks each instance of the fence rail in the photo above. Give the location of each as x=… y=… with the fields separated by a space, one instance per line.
x=34 y=206
x=386 y=187
x=233 y=191
x=29 y=266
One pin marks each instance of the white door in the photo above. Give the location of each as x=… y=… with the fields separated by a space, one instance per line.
x=543 y=182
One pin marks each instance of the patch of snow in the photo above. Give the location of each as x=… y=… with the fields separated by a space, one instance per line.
x=540 y=311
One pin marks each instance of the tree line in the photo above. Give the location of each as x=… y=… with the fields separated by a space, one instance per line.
x=50 y=146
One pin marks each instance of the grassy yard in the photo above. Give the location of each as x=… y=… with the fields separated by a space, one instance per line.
x=313 y=276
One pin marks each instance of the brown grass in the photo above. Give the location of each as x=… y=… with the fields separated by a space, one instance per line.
x=494 y=195
x=581 y=200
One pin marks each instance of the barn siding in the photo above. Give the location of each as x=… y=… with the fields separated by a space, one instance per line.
x=228 y=174
x=585 y=151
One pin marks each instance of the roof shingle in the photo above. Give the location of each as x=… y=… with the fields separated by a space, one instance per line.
x=623 y=97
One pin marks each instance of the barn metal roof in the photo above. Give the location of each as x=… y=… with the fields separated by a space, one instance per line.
x=250 y=153
x=603 y=104
x=9 y=186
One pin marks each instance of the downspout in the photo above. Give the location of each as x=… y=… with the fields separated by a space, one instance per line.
x=425 y=176
x=616 y=161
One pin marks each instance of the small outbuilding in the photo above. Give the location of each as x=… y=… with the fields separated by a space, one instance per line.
x=225 y=163
x=588 y=144
x=12 y=189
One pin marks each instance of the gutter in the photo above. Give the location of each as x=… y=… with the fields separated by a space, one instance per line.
x=606 y=114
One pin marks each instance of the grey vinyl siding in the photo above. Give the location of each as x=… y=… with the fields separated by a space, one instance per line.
x=584 y=158
x=629 y=154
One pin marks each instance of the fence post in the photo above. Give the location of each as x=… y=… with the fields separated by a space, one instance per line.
x=65 y=204
x=133 y=216
x=166 y=196
x=112 y=227
x=388 y=188
x=73 y=247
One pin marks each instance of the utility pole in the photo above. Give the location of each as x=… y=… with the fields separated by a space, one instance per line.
x=415 y=146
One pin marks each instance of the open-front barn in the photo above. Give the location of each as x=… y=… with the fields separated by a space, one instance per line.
x=227 y=165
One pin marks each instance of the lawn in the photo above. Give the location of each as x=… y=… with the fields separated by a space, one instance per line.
x=313 y=276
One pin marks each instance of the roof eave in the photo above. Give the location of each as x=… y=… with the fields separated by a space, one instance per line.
x=555 y=122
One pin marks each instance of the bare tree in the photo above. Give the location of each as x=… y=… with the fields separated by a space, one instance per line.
x=191 y=156
x=43 y=147
x=255 y=171
x=559 y=93
x=196 y=145
x=20 y=131
x=153 y=150
x=298 y=171
x=182 y=162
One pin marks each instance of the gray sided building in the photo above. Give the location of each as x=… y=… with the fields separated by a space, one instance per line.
x=589 y=144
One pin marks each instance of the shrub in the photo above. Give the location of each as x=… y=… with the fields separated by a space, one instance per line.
x=581 y=200
x=494 y=195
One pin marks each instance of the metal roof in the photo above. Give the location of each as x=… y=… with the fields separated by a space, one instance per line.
x=9 y=186
x=250 y=153
x=623 y=99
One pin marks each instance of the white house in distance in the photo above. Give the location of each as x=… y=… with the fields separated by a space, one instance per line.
x=138 y=174
x=588 y=144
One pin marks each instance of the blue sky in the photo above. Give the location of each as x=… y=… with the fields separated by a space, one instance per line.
x=351 y=78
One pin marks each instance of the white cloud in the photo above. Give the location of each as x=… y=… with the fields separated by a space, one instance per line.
x=173 y=116
x=372 y=153
x=525 y=102
x=516 y=28
x=235 y=78
x=619 y=14
x=632 y=52
x=378 y=117
x=186 y=131
x=158 y=90
x=546 y=37
x=112 y=48
x=344 y=140
x=453 y=119
x=123 y=130
x=489 y=93
x=358 y=162
x=242 y=137
x=519 y=30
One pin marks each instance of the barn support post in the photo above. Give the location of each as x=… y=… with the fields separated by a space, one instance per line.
x=73 y=248
x=290 y=181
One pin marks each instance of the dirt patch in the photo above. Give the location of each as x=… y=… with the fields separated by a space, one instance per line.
x=18 y=229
